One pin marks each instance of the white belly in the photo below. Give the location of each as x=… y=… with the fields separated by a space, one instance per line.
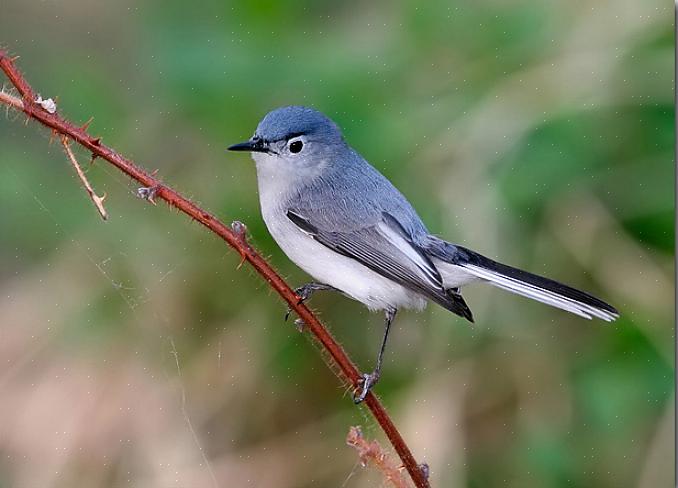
x=324 y=265
x=331 y=268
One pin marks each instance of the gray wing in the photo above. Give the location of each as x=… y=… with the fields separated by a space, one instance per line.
x=351 y=195
x=386 y=248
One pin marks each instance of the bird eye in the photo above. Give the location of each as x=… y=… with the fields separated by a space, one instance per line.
x=296 y=146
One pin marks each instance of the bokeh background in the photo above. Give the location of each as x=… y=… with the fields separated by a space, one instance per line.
x=541 y=133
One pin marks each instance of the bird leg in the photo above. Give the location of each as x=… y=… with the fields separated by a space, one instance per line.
x=304 y=293
x=369 y=380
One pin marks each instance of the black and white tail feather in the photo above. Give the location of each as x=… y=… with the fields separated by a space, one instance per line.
x=521 y=282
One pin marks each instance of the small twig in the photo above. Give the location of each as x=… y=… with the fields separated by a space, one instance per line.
x=11 y=100
x=348 y=370
x=96 y=199
x=371 y=452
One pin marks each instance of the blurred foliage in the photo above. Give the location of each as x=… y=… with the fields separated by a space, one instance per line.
x=539 y=133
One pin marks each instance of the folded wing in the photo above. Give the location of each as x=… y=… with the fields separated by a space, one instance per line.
x=387 y=249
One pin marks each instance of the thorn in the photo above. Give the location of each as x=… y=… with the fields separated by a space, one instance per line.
x=86 y=124
x=155 y=172
x=96 y=141
x=52 y=135
x=14 y=58
x=91 y=161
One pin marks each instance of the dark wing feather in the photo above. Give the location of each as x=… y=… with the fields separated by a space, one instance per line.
x=387 y=249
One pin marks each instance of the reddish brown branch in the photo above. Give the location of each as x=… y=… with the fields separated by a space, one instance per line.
x=8 y=99
x=370 y=452
x=235 y=239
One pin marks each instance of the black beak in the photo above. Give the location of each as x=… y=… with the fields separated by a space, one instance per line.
x=253 y=145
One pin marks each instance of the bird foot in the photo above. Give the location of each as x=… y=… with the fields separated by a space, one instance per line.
x=366 y=383
x=304 y=293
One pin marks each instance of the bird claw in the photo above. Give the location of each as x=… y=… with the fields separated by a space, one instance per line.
x=425 y=470
x=289 y=310
x=300 y=325
x=148 y=193
x=302 y=293
x=366 y=383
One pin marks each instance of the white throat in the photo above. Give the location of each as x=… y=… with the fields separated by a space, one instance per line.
x=276 y=182
x=278 y=179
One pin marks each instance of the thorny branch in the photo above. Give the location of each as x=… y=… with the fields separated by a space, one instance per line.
x=36 y=109
x=370 y=452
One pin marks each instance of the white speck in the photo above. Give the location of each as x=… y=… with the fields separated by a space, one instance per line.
x=49 y=105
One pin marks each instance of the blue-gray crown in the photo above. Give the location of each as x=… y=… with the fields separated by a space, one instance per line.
x=286 y=122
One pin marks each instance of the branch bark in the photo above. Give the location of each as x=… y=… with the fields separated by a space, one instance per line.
x=234 y=237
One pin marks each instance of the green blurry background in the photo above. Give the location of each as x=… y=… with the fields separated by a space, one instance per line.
x=538 y=133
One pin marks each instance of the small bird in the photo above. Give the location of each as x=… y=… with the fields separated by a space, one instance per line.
x=340 y=220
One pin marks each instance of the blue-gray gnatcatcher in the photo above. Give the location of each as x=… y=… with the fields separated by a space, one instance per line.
x=347 y=226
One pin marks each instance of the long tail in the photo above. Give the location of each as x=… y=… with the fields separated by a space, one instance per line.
x=523 y=283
